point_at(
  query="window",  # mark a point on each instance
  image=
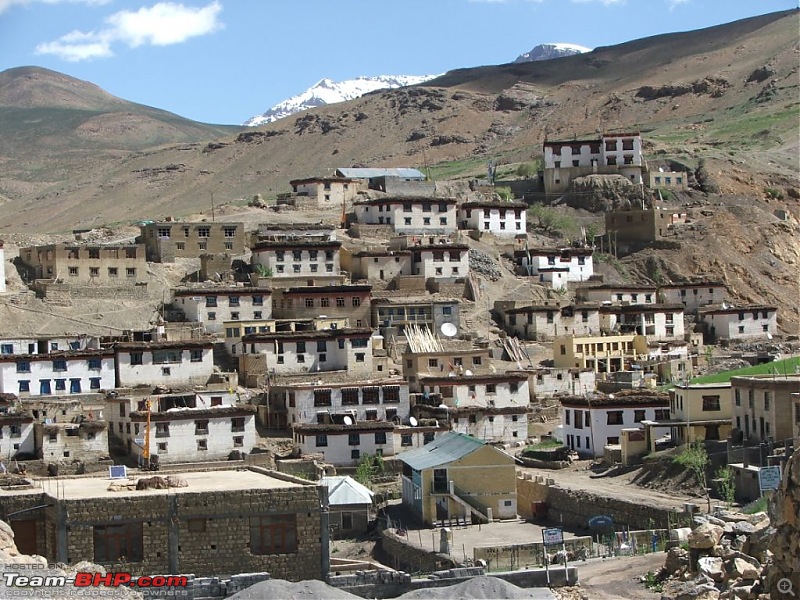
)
(201, 427)
(238, 441)
(113, 543)
(407, 221)
(161, 357)
(322, 397)
(324, 302)
(203, 232)
(94, 271)
(23, 366)
(202, 445)
(614, 417)
(355, 454)
(74, 386)
(234, 301)
(360, 342)
(94, 383)
(237, 424)
(391, 394)
(340, 302)
(61, 385)
(321, 441)
(638, 416)
(406, 440)
(130, 272)
(24, 386)
(229, 232)
(371, 395)
(309, 302)
(163, 232)
(273, 534)
(356, 301)
(427, 437)
(491, 388)
(710, 403)
(353, 439)
(349, 396)
(196, 355)
(380, 438)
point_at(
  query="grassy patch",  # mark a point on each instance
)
(544, 445)
(779, 367)
(759, 505)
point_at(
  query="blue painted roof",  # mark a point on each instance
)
(403, 173)
(447, 448)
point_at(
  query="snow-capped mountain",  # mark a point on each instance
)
(548, 51)
(327, 91)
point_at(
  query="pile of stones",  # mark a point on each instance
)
(483, 264)
(728, 553)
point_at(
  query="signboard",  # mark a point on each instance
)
(552, 536)
(601, 521)
(769, 478)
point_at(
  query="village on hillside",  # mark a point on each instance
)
(313, 383)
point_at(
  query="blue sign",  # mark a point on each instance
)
(769, 478)
(601, 521)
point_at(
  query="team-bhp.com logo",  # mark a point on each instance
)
(26, 582)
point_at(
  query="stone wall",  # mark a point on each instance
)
(576, 507)
(395, 551)
(785, 517)
(63, 294)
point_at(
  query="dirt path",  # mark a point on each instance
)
(614, 579)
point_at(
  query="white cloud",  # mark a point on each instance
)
(674, 3)
(162, 24)
(6, 4)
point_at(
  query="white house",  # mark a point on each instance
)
(442, 262)
(187, 427)
(16, 429)
(613, 153)
(347, 349)
(503, 219)
(178, 363)
(330, 402)
(65, 442)
(592, 422)
(213, 306)
(548, 383)
(544, 322)
(492, 407)
(654, 321)
(298, 258)
(694, 295)
(58, 373)
(556, 266)
(409, 215)
(326, 191)
(47, 345)
(754, 321)
(619, 294)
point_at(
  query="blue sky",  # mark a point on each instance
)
(224, 61)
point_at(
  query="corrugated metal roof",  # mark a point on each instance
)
(343, 489)
(368, 173)
(449, 447)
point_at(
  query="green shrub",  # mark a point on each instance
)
(774, 193)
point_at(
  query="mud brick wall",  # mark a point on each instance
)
(396, 552)
(220, 546)
(11, 504)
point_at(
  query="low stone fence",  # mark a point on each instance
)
(520, 556)
(204, 588)
(395, 551)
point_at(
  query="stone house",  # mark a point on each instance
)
(211, 306)
(376, 264)
(619, 294)
(459, 476)
(167, 240)
(409, 215)
(324, 192)
(297, 260)
(544, 322)
(164, 364)
(87, 265)
(612, 153)
(193, 432)
(492, 407)
(601, 354)
(671, 180)
(392, 314)
(629, 230)
(298, 352)
(752, 321)
(350, 505)
(555, 267)
(333, 301)
(217, 523)
(401, 181)
(452, 357)
(16, 429)
(503, 219)
(236, 330)
(57, 373)
(763, 405)
(86, 440)
(441, 262)
(592, 422)
(654, 321)
(694, 295)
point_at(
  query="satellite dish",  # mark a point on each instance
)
(348, 420)
(451, 374)
(769, 335)
(448, 329)
(412, 421)
(442, 406)
(468, 373)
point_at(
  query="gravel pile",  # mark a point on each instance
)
(279, 589)
(483, 264)
(478, 588)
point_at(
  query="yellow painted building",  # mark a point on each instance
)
(602, 354)
(459, 476)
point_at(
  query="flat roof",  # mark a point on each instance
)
(81, 488)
